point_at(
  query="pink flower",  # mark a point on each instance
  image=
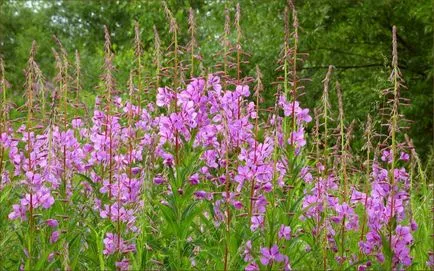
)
(297, 138)
(303, 116)
(54, 237)
(247, 252)
(252, 267)
(404, 156)
(159, 180)
(387, 156)
(19, 211)
(164, 96)
(430, 262)
(256, 222)
(306, 175)
(202, 195)
(52, 223)
(270, 255)
(111, 245)
(243, 90)
(76, 123)
(284, 232)
(122, 265)
(194, 179)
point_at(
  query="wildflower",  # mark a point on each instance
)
(159, 180)
(76, 123)
(270, 255)
(202, 195)
(345, 211)
(194, 179)
(430, 262)
(306, 175)
(123, 265)
(256, 222)
(413, 225)
(111, 245)
(387, 156)
(247, 251)
(297, 138)
(52, 223)
(404, 156)
(19, 211)
(243, 90)
(164, 96)
(54, 237)
(252, 267)
(303, 116)
(287, 265)
(214, 81)
(284, 232)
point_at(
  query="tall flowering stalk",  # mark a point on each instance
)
(138, 53)
(258, 88)
(157, 57)
(4, 177)
(173, 28)
(77, 77)
(389, 239)
(325, 113)
(193, 41)
(294, 56)
(369, 132)
(238, 42)
(324, 168)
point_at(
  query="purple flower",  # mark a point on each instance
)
(243, 90)
(237, 204)
(247, 252)
(413, 225)
(52, 223)
(303, 116)
(270, 255)
(306, 175)
(164, 96)
(122, 265)
(76, 123)
(111, 245)
(387, 156)
(214, 81)
(19, 211)
(168, 159)
(256, 222)
(159, 180)
(404, 156)
(284, 232)
(345, 211)
(54, 237)
(252, 267)
(194, 179)
(202, 195)
(430, 262)
(289, 106)
(403, 234)
(297, 138)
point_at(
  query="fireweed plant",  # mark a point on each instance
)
(183, 169)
